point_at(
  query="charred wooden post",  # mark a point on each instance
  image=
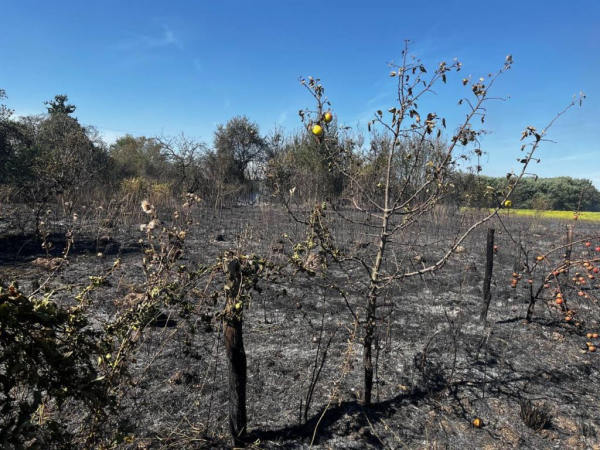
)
(236, 355)
(487, 281)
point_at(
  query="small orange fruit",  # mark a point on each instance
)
(595, 335)
(477, 422)
(559, 301)
(592, 348)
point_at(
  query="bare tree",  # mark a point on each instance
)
(394, 186)
(185, 155)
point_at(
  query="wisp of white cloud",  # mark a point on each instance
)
(282, 117)
(168, 38)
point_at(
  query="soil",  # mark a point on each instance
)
(437, 366)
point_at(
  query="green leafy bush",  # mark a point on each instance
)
(45, 363)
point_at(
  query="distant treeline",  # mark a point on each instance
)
(560, 193)
(52, 157)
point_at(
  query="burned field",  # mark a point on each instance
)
(442, 377)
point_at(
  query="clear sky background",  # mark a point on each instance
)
(151, 67)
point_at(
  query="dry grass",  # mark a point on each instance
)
(561, 215)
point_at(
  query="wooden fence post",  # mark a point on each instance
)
(487, 281)
(236, 354)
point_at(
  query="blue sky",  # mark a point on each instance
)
(151, 67)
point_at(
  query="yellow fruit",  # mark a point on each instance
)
(508, 204)
(477, 422)
(328, 117)
(317, 130)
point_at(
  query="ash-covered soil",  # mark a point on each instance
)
(437, 366)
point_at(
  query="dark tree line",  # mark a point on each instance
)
(559, 193)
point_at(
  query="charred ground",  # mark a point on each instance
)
(437, 367)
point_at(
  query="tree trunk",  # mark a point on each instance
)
(371, 313)
(368, 348)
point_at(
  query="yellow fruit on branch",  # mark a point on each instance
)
(317, 130)
(328, 117)
(508, 204)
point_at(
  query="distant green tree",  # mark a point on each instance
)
(560, 193)
(240, 147)
(573, 194)
(59, 105)
(298, 161)
(65, 153)
(138, 157)
(55, 158)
